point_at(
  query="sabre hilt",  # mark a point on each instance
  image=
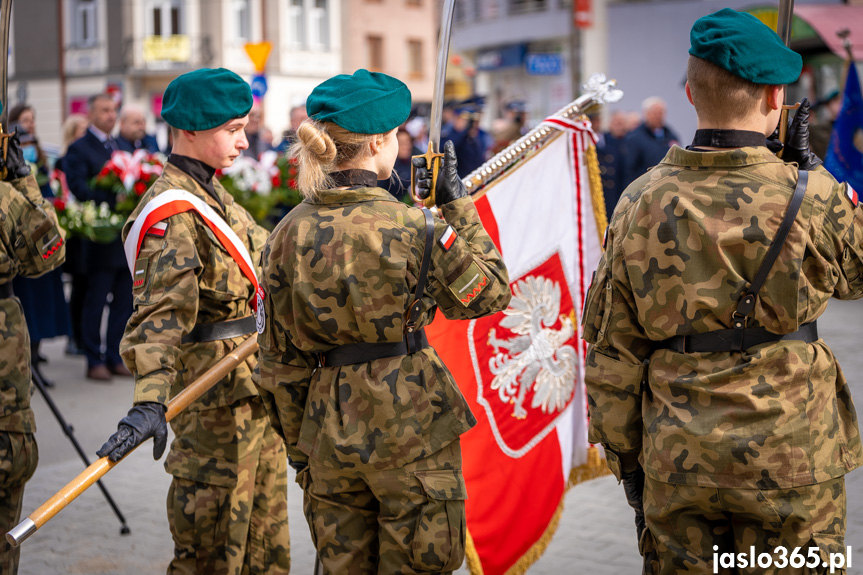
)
(783, 125)
(434, 160)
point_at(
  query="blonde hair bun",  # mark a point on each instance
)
(317, 142)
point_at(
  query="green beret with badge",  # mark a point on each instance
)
(741, 44)
(205, 99)
(364, 103)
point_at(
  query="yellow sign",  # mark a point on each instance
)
(176, 48)
(259, 53)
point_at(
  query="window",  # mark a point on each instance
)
(525, 6)
(296, 24)
(415, 58)
(241, 20)
(166, 17)
(319, 26)
(376, 53)
(84, 22)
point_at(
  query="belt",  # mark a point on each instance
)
(726, 340)
(6, 290)
(366, 352)
(221, 330)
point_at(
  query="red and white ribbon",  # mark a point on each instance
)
(172, 202)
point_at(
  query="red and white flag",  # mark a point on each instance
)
(521, 370)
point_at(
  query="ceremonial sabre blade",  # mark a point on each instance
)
(783, 28)
(433, 156)
(5, 20)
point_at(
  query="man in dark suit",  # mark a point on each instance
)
(133, 132)
(647, 144)
(611, 153)
(105, 264)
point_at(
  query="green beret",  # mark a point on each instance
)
(741, 44)
(365, 103)
(205, 99)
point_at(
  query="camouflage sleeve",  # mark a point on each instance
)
(285, 371)
(841, 241)
(467, 277)
(614, 368)
(35, 237)
(165, 290)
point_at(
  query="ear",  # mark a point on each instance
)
(689, 93)
(189, 134)
(375, 144)
(774, 96)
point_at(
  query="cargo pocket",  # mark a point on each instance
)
(647, 549)
(831, 553)
(439, 536)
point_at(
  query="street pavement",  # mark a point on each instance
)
(596, 534)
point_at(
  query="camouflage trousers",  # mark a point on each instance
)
(691, 526)
(18, 458)
(395, 521)
(227, 505)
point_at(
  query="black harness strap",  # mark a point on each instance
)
(747, 303)
(413, 313)
(740, 337)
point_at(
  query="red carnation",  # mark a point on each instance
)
(59, 204)
(292, 183)
(105, 171)
(140, 188)
(292, 172)
(276, 181)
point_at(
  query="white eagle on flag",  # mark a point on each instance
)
(537, 356)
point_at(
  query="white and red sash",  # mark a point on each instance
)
(172, 202)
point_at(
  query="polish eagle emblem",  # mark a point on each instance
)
(536, 358)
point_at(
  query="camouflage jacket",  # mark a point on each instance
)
(684, 243)
(31, 243)
(189, 279)
(343, 270)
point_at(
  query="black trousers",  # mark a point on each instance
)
(103, 281)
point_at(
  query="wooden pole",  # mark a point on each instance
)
(102, 466)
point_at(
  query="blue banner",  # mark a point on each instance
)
(845, 155)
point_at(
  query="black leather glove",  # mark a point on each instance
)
(143, 421)
(797, 142)
(633, 488)
(15, 163)
(449, 184)
(773, 144)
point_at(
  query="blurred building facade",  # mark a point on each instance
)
(63, 51)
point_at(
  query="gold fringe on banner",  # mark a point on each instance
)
(596, 195)
(594, 468)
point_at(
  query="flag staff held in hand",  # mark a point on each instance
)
(94, 472)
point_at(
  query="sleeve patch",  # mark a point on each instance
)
(158, 229)
(469, 284)
(139, 279)
(51, 246)
(852, 195)
(447, 239)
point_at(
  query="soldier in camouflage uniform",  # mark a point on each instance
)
(227, 505)
(370, 414)
(31, 244)
(737, 413)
